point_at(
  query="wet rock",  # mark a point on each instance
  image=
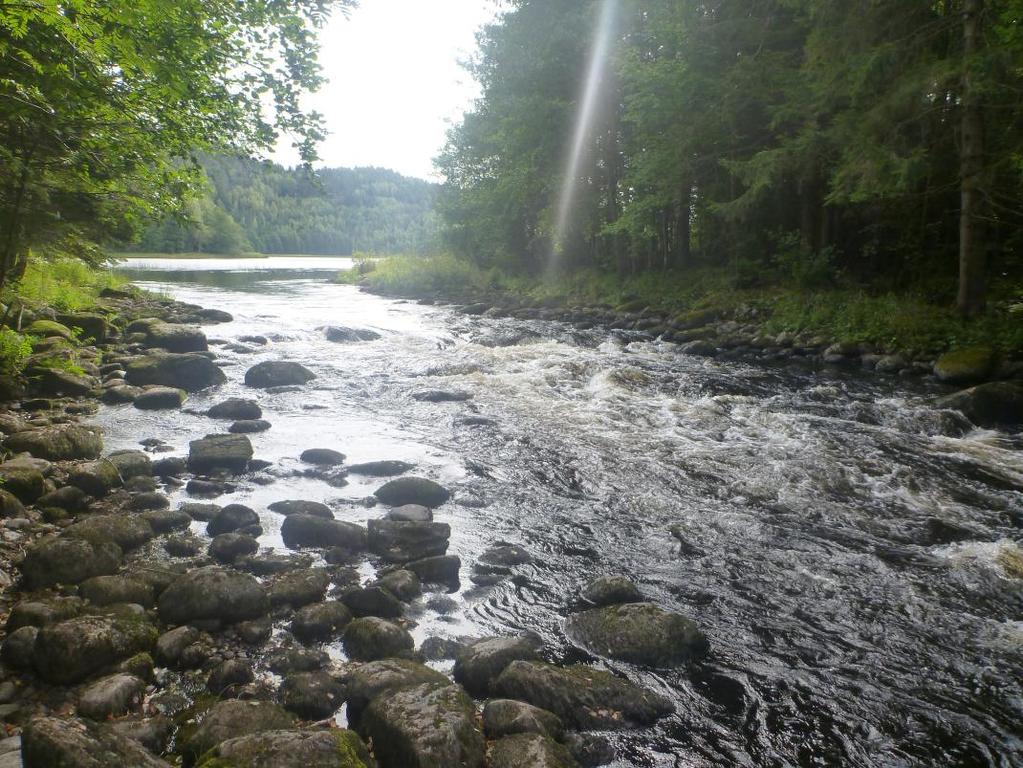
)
(440, 396)
(484, 660)
(277, 373)
(68, 560)
(19, 647)
(172, 466)
(201, 512)
(228, 676)
(97, 478)
(141, 485)
(497, 562)
(380, 468)
(640, 633)
(300, 507)
(532, 749)
(230, 452)
(320, 621)
(249, 427)
(300, 588)
(411, 513)
(412, 490)
(611, 590)
(166, 520)
(403, 584)
(506, 717)
(430, 725)
(48, 742)
(307, 531)
(228, 547)
(590, 749)
(333, 748)
(372, 601)
(120, 394)
(208, 488)
(143, 502)
(131, 463)
(997, 404)
(291, 659)
(23, 478)
(236, 409)
(10, 507)
(64, 443)
(398, 541)
(183, 546)
(442, 569)
(370, 680)
(68, 498)
(270, 564)
(72, 650)
(126, 532)
(966, 365)
(436, 648)
(160, 398)
(190, 372)
(171, 645)
(176, 338)
(209, 315)
(232, 719)
(255, 632)
(583, 697)
(341, 335)
(254, 339)
(108, 590)
(371, 638)
(312, 695)
(213, 593)
(324, 457)
(231, 518)
(153, 733)
(112, 696)
(35, 613)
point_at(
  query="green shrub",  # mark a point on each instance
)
(64, 284)
(15, 349)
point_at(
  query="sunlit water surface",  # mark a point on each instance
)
(854, 562)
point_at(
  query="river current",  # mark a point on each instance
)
(852, 553)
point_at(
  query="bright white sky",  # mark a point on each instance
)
(395, 82)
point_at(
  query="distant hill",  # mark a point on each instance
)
(262, 206)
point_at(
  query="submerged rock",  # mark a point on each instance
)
(640, 633)
(440, 396)
(386, 468)
(277, 373)
(341, 334)
(323, 457)
(412, 490)
(300, 507)
(248, 427)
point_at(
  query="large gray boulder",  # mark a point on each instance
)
(412, 490)
(426, 726)
(236, 408)
(213, 593)
(190, 372)
(583, 697)
(64, 443)
(233, 719)
(639, 633)
(966, 365)
(70, 651)
(992, 405)
(213, 452)
(277, 373)
(68, 560)
(369, 680)
(299, 531)
(482, 662)
(506, 717)
(333, 748)
(372, 638)
(320, 621)
(50, 742)
(112, 696)
(399, 542)
(175, 337)
(126, 531)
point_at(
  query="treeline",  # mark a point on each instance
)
(810, 141)
(261, 206)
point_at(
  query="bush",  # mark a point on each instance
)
(15, 349)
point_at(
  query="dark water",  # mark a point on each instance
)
(854, 561)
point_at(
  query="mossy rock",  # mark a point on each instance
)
(335, 748)
(966, 365)
(640, 633)
(47, 328)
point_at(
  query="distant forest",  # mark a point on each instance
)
(261, 206)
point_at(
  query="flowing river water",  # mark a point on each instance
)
(851, 552)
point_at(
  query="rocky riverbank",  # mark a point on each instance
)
(137, 634)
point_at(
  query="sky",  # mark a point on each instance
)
(395, 82)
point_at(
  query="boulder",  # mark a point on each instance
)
(369, 680)
(323, 457)
(67, 498)
(108, 590)
(611, 590)
(371, 638)
(249, 427)
(427, 726)
(112, 696)
(412, 490)
(235, 409)
(120, 394)
(997, 404)
(228, 676)
(231, 518)
(300, 587)
(639, 633)
(176, 338)
(506, 717)
(484, 660)
(372, 601)
(49, 329)
(126, 531)
(300, 531)
(93, 327)
(532, 749)
(380, 468)
(190, 372)
(342, 335)
(150, 500)
(213, 593)
(442, 569)
(403, 584)
(131, 463)
(23, 478)
(10, 506)
(228, 547)
(230, 452)
(19, 647)
(171, 645)
(300, 507)
(67, 560)
(69, 651)
(399, 542)
(277, 373)
(166, 520)
(50, 742)
(583, 697)
(411, 513)
(63, 443)
(46, 382)
(97, 478)
(198, 511)
(333, 748)
(232, 719)
(966, 365)
(320, 621)
(312, 695)
(160, 398)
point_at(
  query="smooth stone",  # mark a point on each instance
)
(380, 468)
(398, 541)
(323, 457)
(236, 409)
(248, 427)
(611, 590)
(160, 398)
(441, 569)
(372, 601)
(411, 513)
(231, 518)
(412, 490)
(299, 531)
(277, 373)
(372, 638)
(300, 507)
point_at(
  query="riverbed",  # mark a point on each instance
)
(851, 552)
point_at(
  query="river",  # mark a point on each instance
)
(852, 556)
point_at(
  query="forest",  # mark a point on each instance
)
(260, 206)
(811, 143)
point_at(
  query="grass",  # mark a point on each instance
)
(907, 322)
(67, 284)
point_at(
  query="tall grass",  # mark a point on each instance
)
(65, 284)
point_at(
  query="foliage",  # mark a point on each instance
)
(412, 275)
(63, 283)
(261, 206)
(15, 349)
(104, 102)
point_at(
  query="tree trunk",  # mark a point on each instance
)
(972, 253)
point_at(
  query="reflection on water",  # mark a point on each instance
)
(853, 558)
